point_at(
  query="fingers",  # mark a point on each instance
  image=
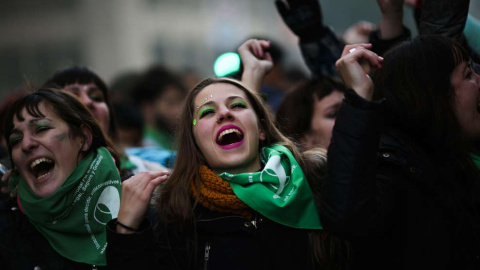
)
(136, 195)
(139, 183)
(268, 57)
(366, 27)
(347, 48)
(254, 46)
(356, 52)
(154, 183)
(351, 71)
(411, 3)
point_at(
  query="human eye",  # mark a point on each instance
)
(74, 90)
(238, 104)
(97, 96)
(332, 114)
(206, 111)
(41, 127)
(14, 140)
(469, 73)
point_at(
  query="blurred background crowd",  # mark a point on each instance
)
(118, 37)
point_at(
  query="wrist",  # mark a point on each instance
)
(391, 27)
(123, 228)
(253, 79)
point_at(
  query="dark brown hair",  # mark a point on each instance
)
(65, 106)
(83, 75)
(174, 202)
(415, 81)
(295, 121)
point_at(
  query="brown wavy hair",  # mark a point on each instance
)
(174, 201)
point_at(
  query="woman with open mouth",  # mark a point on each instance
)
(68, 185)
(237, 198)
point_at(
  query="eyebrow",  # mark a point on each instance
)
(336, 105)
(211, 102)
(30, 123)
(35, 120)
(73, 88)
(77, 88)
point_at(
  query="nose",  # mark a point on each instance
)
(477, 77)
(28, 143)
(224, 114)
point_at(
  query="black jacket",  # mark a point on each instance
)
(22, 247)
(216, 241)
(382, 194)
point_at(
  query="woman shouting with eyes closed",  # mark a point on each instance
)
(68, 185)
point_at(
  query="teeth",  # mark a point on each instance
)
(38, 161)
(42, 176)
(228, 131)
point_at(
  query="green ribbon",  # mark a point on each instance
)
(73, 218)
(280, 191)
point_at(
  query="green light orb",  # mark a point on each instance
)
(226, 64)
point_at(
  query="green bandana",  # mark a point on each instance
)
(73, 218)
(127, 164)
(280, 191)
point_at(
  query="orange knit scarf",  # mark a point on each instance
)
(217, 194)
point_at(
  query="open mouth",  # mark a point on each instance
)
(230, 135)
(41, 167)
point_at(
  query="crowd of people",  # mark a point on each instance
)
(372, 162)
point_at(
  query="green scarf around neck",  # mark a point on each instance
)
(73, 218)
(280, 191)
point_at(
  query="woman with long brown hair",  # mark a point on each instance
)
(238, 195)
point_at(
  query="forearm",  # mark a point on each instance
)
(381, 45)
(320, 54)
(252, 77)
(444, 17)
(349, 194)
(391, 30)
(391, 25)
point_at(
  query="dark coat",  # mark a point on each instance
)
(224, 241)
(384, 194)
(22, 247)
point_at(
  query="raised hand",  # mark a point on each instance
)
(351, 71)
(391, 25)
(303, 17)
(136, 195)
(257, 62)
(411, 3)
(391, 6)
(358, 32)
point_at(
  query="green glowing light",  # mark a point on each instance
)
(226, 64)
